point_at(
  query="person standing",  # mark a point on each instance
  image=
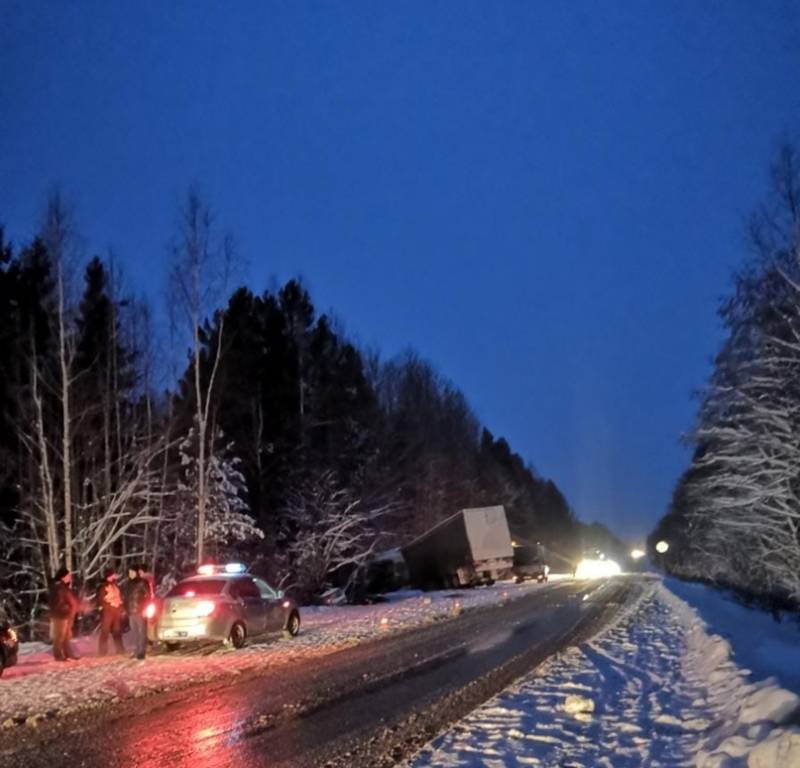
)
(63, 609)
(109, 601)
(137, 595)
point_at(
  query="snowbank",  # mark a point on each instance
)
(762, 645)
(655, 688)
(755, 719)
(39, 687)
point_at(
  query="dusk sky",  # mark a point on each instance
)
(545, 199)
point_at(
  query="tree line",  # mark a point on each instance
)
(734, 519)
(272, 438)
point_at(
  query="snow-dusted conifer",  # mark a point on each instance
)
(228, 521)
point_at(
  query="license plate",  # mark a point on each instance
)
(175, 633)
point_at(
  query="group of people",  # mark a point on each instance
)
(113, 604)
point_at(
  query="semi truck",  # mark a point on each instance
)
(471, 547)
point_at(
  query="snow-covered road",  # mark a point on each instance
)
(654, 689)
(38, 687)
(364, 706)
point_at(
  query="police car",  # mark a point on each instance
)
(224, 603)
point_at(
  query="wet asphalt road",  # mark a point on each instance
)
(371, 705)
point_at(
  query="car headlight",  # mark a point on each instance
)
(589, 568)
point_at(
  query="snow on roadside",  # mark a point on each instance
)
(755, 720)
(764, 646)
(39, 687)
(653, 689)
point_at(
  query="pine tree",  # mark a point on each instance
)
(229, 525)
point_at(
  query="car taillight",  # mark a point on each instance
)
(150, 611)
(205, 607)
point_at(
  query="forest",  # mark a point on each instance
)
(241, 425)
(734, 519)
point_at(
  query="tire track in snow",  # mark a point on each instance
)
(621, 700)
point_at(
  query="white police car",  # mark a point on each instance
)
(224, 603)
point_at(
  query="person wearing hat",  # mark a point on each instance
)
(137, 596)
(63, 609)
(109, 603)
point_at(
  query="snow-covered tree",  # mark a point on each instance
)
(328, 534)
(735, 517)
(229, 526)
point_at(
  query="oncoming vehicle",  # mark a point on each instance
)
(9, 646)
(224, 603)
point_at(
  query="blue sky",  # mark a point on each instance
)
(545, 199)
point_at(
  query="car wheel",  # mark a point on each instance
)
(293, 625)
(238, 635)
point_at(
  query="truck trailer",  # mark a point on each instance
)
(471, 547)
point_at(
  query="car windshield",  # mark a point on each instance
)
(192, 588)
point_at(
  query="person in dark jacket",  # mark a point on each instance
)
(109, 602)
(137, 596)
(63, 609)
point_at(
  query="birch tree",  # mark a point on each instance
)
(58, 237)
(199, 275)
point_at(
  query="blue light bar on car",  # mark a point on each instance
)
(235, 568)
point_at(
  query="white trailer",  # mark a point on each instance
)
(471, 547)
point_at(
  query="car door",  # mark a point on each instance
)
(273, 603)
(254, 608)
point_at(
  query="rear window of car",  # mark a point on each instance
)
(245, 588)
(526, 556)
(192, 588)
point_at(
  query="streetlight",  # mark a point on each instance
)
(662, 547)
(637, 554)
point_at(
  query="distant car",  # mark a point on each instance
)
(224, 604)
(538, 571)
(9, 646)
(529, 563)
